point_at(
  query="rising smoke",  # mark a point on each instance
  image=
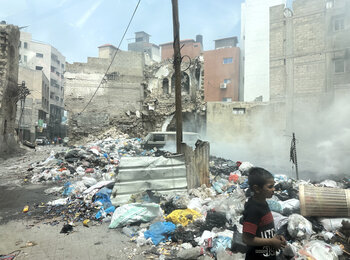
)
(322, 132)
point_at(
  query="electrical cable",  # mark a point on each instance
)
(115, 54)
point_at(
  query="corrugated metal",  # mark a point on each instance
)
(137, 174)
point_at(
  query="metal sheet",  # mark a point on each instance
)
(137, 174)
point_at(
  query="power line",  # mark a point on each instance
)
(115, 54)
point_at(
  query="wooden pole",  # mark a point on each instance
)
(295, 157)
(177, 67)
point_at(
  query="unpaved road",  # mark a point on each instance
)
(36, 240)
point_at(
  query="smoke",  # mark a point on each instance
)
(263, 137)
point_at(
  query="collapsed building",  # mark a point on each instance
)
(9, 89)
(135, 96)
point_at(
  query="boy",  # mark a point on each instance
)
(258, 225)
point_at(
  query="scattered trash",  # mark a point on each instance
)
(134, 212)
(86, 222)
(183, 216)
(29, 244)
(25, 209)
(160, 231)
(190, 253)
(202, 223)
(299, 227)
(11, 255)
(67, 228)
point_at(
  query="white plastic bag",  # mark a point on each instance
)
(332, 224)
(320, 250)
(299, 227)
(134, 212)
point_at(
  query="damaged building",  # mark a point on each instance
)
(136, 96)
(9, 89)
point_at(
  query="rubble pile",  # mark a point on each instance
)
(204, 223)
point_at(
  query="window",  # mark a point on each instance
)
(228, 60)
(20, 44)
(227, 99)
(338, 24)
(57, 73)
(53, 69)
(39, 55)
(329, 4)
(227, 81)
(238, 111)
(57, 98)
(25, 58)
(62, 66)
(25, 45)
(52, 95)
(339, 66)
(195, 45)
(19, 57)
(38, 68)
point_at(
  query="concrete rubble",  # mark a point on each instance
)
(202, 223)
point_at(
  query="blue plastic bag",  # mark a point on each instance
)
(220, 242)
(103, 213)
(103, 196)
(160, 231)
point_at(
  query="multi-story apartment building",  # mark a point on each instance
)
(44, 57)
(221, 71)
(33, 116)
(191, 48)
(254, 44)
(311, 46)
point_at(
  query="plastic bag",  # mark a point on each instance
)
(299, 227)
(159, 231)
(274, 205)
(134, 212)
(220, 243)
(318, 250)
(183, 216)
(245, 167)
(332, 224)
(103, 197)
(195, 204)
(237, 242)
(290, 205)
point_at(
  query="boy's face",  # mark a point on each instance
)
(267, 190)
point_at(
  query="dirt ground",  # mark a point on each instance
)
(33, 239)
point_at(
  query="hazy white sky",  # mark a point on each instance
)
(77, 27)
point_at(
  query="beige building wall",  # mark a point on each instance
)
(36, 104)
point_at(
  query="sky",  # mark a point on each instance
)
(77, 27)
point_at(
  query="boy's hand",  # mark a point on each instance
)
(282, 239)
(278, 242)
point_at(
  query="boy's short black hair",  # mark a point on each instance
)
(258, 176)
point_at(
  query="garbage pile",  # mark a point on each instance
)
(204, 223)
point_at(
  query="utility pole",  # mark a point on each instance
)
(293, 155)
(177, 67)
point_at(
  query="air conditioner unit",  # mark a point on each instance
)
(223, 85)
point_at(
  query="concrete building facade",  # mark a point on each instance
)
(221, 71)
(143, 45)
(309, 65)
(94, 100)
(254, 44)
(41, 56)
(34, 118)
(191, 48)
(9, 91)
